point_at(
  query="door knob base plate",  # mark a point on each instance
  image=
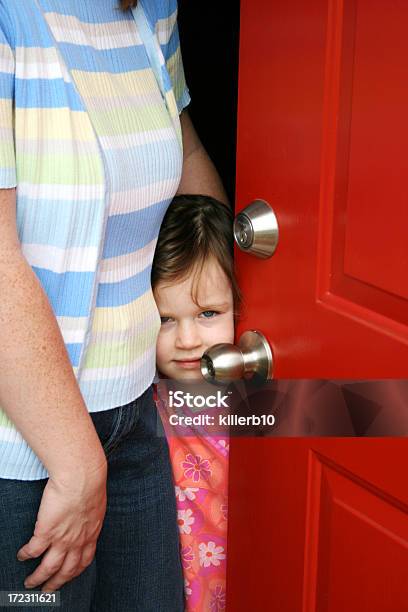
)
(256, 229)
(258, 358)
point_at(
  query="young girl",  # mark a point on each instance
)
(195, 289)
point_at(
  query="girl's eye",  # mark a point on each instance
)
(165, 320)
(208, 314)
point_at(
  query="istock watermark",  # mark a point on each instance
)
(178, 399)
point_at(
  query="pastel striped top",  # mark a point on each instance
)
(90, 136)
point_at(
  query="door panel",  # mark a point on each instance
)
(378, 126)
(322, 143)
(317, 525)
(349, 522)
(363, 200)
(321, 524)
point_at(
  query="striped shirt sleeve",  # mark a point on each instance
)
(168, 36)
(7, 149)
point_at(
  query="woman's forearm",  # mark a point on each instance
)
(199, 173)
(38, 389)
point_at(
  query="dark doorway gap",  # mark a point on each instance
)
(209, 34)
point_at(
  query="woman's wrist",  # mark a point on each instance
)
(84, 460)
(92, 469)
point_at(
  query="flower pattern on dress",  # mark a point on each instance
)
(187, 590)
(217, 599)
(187, 493)
(224, 444)
(200, 468)
(195, 467)
(210, 554)
(187, 556)
(185, 519)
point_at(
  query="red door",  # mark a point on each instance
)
(321, 524)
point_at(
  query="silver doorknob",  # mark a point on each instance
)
(251, 359)
(256, 229)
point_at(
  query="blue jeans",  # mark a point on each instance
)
(137, 563)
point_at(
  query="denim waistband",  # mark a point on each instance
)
(115, 424)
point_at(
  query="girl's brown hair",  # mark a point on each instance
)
(195, 228)
(126, 4)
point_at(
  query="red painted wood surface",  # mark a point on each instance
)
(322, 127)
(318, 525)
(321, 525)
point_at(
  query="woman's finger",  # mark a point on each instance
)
(50, 565)
(70, 568)
(88, 553)
(34, 548)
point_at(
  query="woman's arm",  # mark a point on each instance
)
(199, 174)
(39, 393)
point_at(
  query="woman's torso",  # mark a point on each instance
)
(98, 158)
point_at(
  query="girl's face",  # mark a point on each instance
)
(188, 329)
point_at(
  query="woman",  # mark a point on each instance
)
(90, 157)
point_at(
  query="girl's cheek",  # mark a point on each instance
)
(227, 328)
(229, 332)
(161, 349)
(220, 328)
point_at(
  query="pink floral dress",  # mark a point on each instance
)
(200, 468)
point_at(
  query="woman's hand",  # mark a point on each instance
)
(68, 524)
